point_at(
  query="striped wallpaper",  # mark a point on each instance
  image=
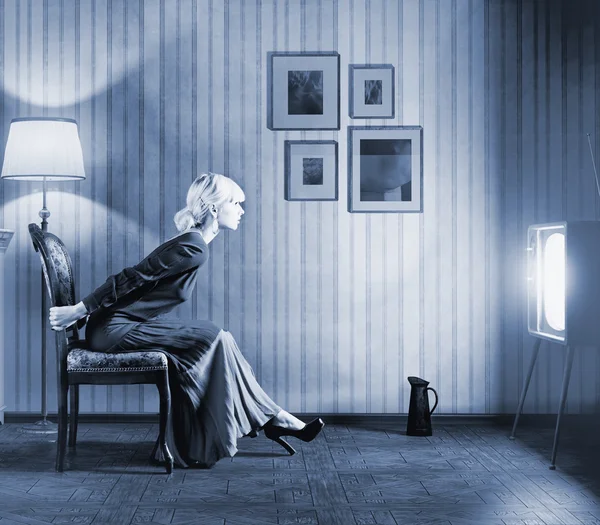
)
(333, 310)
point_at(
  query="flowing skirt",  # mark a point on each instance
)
(215, 398)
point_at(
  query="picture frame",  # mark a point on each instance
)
(372, 91)
(385, 169)
(303, 91)
(311, 170)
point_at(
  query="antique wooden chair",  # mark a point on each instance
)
(77, 365)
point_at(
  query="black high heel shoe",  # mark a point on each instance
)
(308, 433)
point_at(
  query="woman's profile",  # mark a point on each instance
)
(215, 397)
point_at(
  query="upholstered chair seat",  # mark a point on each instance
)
(80, 360)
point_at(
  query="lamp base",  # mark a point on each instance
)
(40, 427)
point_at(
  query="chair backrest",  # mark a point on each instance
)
(58, 274)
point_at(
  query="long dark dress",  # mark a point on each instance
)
(215, 396)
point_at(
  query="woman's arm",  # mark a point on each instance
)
(177, 258)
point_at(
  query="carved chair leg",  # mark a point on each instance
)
(61, 440)
(165, 415)
(73, 416)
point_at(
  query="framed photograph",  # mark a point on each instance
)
(371, 91)
(303, 91)
(311, 170)
(385, 169)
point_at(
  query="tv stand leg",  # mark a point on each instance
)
(563, 400)
(536, 349)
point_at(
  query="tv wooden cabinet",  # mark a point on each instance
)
(5, 237)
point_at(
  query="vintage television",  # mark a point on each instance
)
(563, 297)
(563, 294)
(563, 276)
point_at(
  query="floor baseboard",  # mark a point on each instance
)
(537, 420)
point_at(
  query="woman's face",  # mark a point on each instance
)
(230, 214)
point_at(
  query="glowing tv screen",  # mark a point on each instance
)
(563, 274)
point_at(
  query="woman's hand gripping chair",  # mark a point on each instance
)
(77, 365)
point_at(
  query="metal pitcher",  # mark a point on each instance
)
(419, 415)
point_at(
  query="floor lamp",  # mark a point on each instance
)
(43, 149)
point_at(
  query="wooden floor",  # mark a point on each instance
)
(359, 474)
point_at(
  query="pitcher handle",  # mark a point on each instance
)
(436, 399)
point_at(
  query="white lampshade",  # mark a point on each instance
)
(43, 148)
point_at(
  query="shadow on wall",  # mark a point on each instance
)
(556, 43)
(107, 165)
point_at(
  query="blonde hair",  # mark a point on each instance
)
(207, 190)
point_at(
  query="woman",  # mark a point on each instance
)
(215, 396)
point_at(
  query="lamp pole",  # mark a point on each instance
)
(44, 214)
(43, 426)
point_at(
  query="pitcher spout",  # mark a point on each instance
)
(417, 381)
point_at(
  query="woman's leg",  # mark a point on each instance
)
(216, 398)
